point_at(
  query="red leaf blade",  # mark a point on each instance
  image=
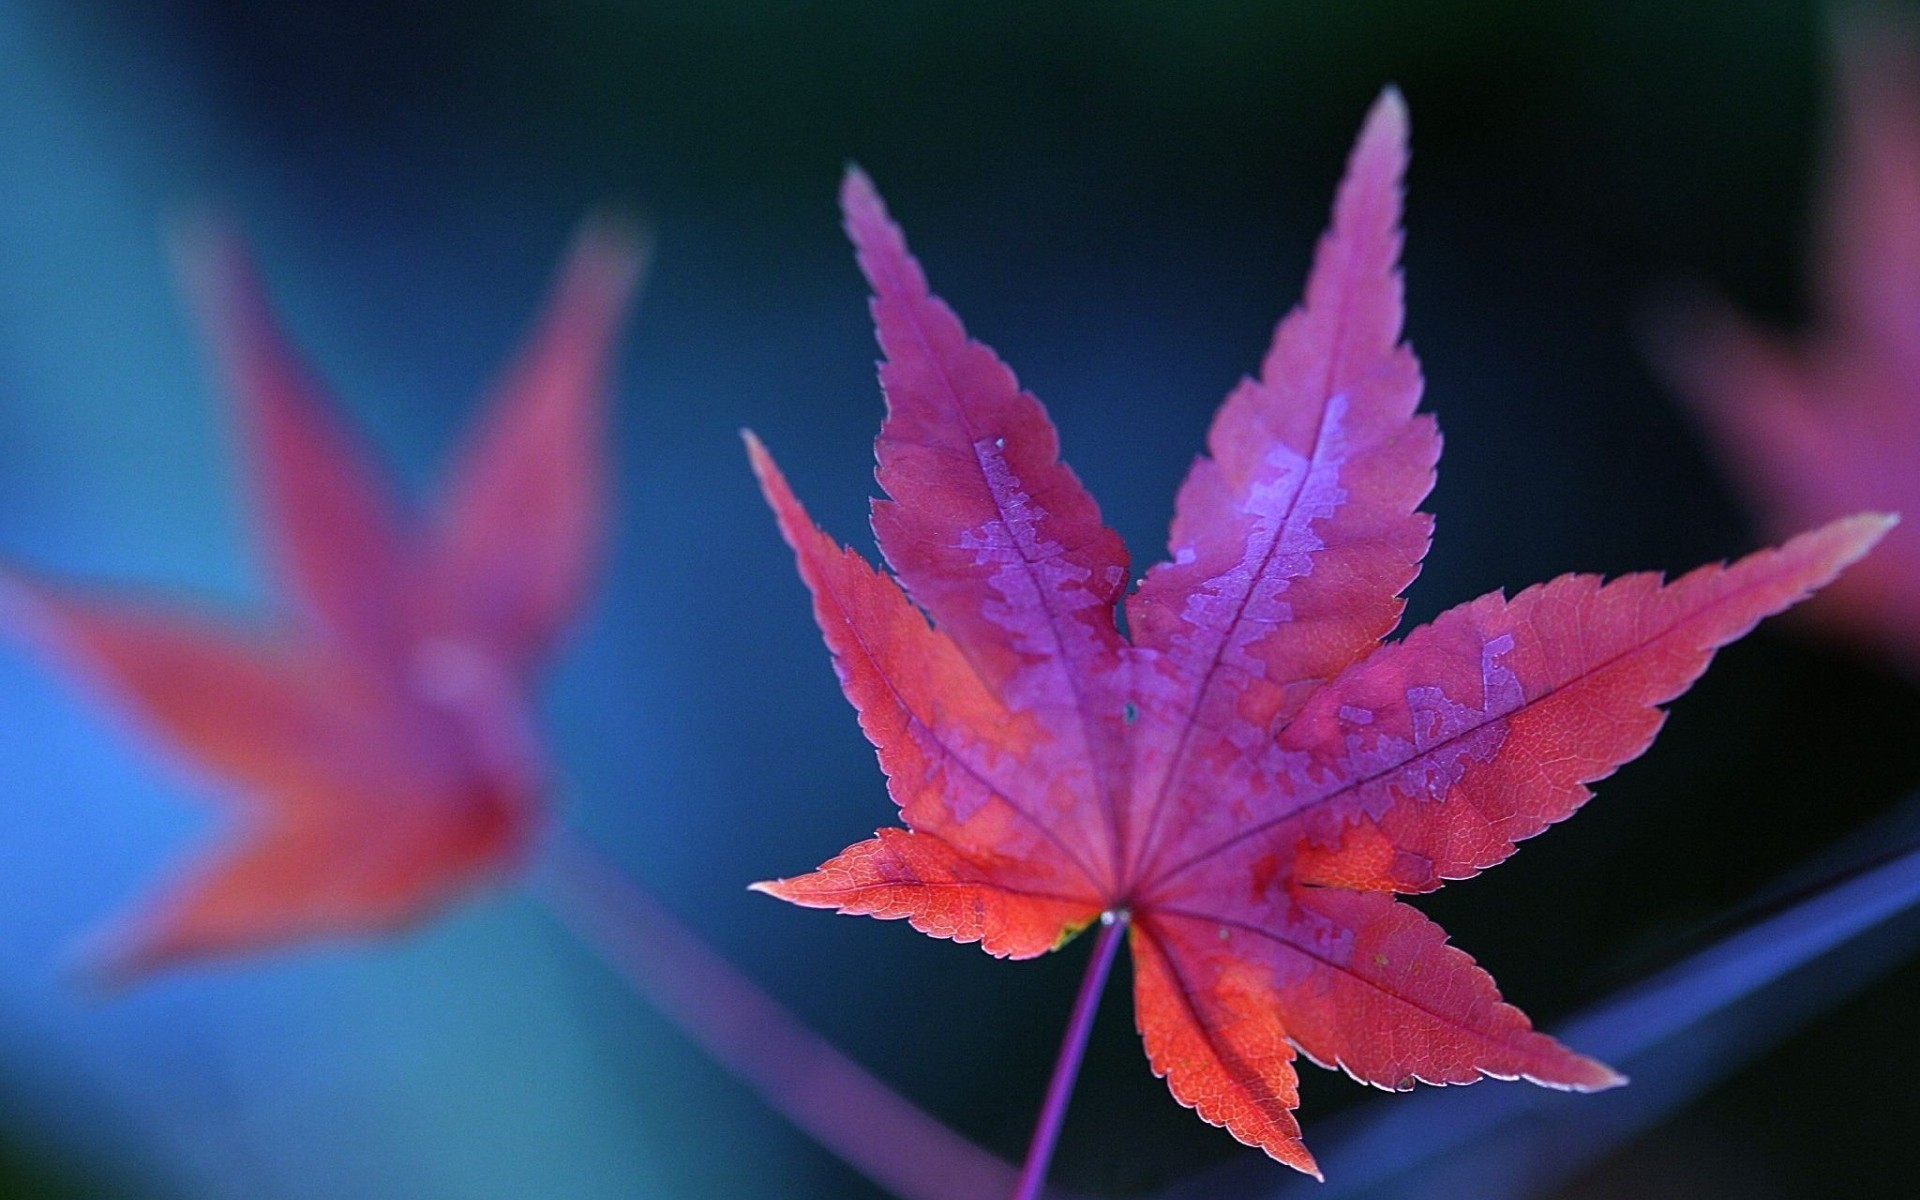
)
(959, 762)
(253, 711)
(1292, 543)
(522, 521)
(1356, 980)
(989, 531)
(291, 883)
(942, 892)
(380, 754)
(1217, 1050)
(315, 754)
(1830, 424)
(1485, 727)
(331, 523)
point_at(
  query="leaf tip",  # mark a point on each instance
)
(756, 449)
(880, 246)
(1594, 1076)
(1850, 538)
(1367, 205)
(858, 196)
(202, 243)
(1383, 136)
(1389, 111)
(609, 255)
(779, 889)
(20, 605)
(1577, 1073)
(863, 212)
(773, 484)
(110, 959)
(1293, 1152)
(215, 271)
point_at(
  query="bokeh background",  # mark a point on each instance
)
(1121, 197)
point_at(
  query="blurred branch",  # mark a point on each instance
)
(828, 1096)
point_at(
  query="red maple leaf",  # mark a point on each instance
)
(1831, 424)
(1246, 775)
(375, 740)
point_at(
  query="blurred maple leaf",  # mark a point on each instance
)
(1246, 777)
(375, 740)
(1830, 423)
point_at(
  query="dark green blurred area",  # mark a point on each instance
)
(23, 1176)
(1644, 112)
(1121, 197)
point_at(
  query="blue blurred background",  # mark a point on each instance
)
(1121, 197)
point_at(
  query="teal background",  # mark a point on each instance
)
(1121, 198)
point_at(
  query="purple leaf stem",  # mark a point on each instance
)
(1073, 1048)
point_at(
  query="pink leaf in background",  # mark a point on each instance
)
(1250, 775)
(374, 742)
(1830, 423)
